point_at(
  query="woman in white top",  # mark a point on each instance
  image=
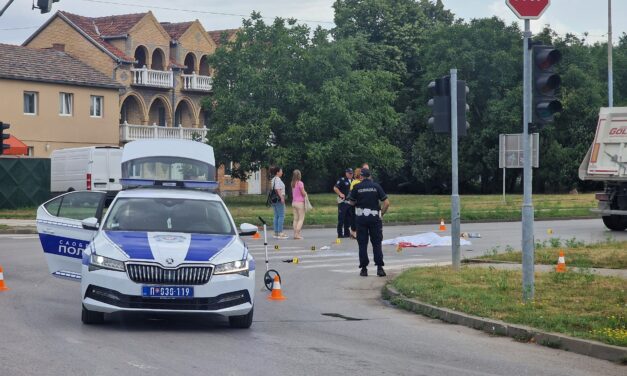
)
(278, 207)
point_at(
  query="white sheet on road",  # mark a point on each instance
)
(428, 239)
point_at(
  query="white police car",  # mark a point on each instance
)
(167, 245)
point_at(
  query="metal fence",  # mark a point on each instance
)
(24, 182)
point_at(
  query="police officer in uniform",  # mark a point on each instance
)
(366, 196)
(342, 189)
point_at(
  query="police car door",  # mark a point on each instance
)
(62, 236)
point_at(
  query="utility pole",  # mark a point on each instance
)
(455, 215)
(5, 7)
(527, 207)
(610, 78)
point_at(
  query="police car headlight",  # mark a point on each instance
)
(100, 262)
(239, 267)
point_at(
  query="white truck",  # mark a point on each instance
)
(606, 161)
(87, 168)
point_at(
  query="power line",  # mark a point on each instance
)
(196, 11)
(19, 28)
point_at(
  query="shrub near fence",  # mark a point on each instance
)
(24, 182)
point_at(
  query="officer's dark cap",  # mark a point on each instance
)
(365, 172)
(349, 170)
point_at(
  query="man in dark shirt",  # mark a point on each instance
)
(342, 189)
(366, 197)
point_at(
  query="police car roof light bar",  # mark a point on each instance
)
(210, 186)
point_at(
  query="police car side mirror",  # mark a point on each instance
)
(246, 229)
(90, 223)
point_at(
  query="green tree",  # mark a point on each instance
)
(286, 96)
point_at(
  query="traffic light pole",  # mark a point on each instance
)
(527, 208)
(455, 216)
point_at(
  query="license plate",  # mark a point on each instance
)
(167, 292)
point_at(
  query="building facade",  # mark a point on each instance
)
(54, 101)
(163, 70)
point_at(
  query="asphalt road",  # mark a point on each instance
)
(41, 332)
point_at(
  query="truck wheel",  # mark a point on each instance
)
(91, 317)
(615, 222)
(243, 321)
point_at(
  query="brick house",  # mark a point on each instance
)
(162, 67)
(55, 101)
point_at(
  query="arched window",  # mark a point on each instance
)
(183, 116)
(204, 66)
(131, 111)
(190, 63)
(159, 113)
(140, 56)
(158, 60)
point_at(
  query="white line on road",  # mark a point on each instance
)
(393, 267)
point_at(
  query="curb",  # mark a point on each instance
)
(19, 230)
(518, 332)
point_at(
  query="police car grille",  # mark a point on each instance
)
(185, 275)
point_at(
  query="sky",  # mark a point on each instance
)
(564, 16)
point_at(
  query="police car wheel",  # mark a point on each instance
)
(91, 317)
(243, 321)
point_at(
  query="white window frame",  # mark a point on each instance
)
(92, 106)
(35, 103)
(63, 101)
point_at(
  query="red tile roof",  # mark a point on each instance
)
(117, 25)
(176, 29)
(89, 26)
(216, 35)
(48, 65)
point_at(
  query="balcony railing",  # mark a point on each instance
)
(149, 77)
(131, 132)
(197, 82)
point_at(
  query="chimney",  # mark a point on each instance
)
(58, 47)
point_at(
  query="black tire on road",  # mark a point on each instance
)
(91, 317)
(615, 222)
(242, 322)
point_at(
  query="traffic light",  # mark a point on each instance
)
(462, 108)
(545, 85)
(440, 104)
(3, 136)
(45, 6)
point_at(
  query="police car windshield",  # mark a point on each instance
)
(169, 215)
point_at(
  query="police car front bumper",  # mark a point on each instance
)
(112, 291)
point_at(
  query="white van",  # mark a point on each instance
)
(88, 168)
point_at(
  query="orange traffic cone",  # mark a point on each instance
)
(442, 225)
(561, 263)
(3, 287)
(257, 236)
(276, 290)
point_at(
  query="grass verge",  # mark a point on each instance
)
(609, 254)
(579, 304)
(22, 213)
(425, 208)
(405, 208)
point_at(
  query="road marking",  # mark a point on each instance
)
(394, 267)
(355, 263)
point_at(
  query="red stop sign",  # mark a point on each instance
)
(528, 9)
